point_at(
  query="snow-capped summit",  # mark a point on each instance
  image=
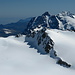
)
(37, 38)
(61, 21)
(45, 20)
(46, 14)
(66, 13)
(66, 21)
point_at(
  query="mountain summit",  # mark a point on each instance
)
(62, 21)
(35, 31)
(46, 14)
(37, 37)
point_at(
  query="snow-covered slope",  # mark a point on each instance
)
(66, 21)
(64, 44)
(17, 58)
(41, 48)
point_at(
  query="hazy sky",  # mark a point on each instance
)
(13, 10)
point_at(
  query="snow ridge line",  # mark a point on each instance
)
(44, 44)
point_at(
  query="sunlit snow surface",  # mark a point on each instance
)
(17, 58)
(64, 44)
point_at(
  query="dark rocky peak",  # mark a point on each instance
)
(40, 40)
(54, 24)
(50, 21)
(46, 14)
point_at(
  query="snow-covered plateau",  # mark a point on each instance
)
(17, 58)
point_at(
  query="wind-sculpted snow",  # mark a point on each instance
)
(17, 58)
(39, 39)
(64, 44)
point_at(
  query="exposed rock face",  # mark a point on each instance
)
(42, 41)
(63, 21)
(39, 39)
(54, 24)
(46, 14)
(45, 20)
(63, 63)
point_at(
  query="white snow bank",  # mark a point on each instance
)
(16, 58)
(64, 44)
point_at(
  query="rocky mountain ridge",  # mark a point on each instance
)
(61, 21)
(39, 39)
(36, 36)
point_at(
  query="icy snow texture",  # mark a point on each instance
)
(64, 44)
(16, 58)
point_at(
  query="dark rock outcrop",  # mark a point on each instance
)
(42, 41)
(63, 63)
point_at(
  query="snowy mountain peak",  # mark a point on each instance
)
(40, 40)
(62, 21)
(37, 37)
(39, 34)
(46, 14)
(66, 13)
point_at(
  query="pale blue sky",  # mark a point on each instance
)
(13, 10)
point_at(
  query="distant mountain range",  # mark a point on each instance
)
(13, 28)
(63, 21)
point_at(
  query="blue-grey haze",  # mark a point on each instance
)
(13, 10)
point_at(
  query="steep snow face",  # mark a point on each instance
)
(66, 21)
(64, 44)
(39, 39)
(61, 26)
(66, 13)
(17, 58)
